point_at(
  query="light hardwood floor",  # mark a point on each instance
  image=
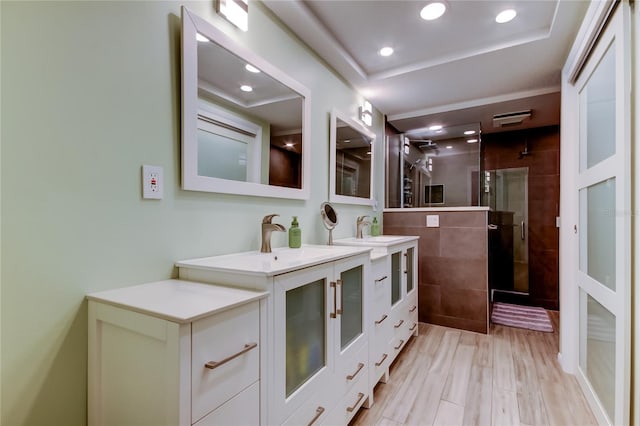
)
(452, 377)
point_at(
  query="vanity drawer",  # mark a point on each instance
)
(225, 357)
(381, 282)
(353, 369)
(315, 410)
(349, 404)
(241, 410)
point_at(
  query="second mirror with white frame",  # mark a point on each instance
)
(351, 161)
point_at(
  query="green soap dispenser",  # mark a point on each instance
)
(375, 227)
(295, 234)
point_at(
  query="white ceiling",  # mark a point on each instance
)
(449, 69)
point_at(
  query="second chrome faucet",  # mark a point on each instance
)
(360, 223)
(267, 229)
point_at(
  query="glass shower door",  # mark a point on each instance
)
(508, 238)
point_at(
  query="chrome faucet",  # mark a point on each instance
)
(360, 223)
(267, 229)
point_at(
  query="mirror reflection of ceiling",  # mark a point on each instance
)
(452, 140)
(351, 140)
(221, 74)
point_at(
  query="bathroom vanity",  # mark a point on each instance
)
(296, 336)
(394, 298)
(175, 353)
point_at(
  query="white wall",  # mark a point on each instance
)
(90, 92)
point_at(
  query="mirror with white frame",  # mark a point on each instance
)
(351, 174)
(245, 123)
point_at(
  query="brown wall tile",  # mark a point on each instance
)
(466, 243)
(452, 264)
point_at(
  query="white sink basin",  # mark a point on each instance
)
(377, 241)
(281, 259)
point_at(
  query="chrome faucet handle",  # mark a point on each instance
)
(361, 219)
(268, 218)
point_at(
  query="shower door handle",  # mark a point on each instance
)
(522, 230)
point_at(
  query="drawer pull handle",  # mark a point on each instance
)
(381, 279)
(414, 327)
(353, 407)
(353, 376)
(384, 356)
(413, 309)
(384, 317)
(319, 412)
(399, 324)
(399, 345)
(339, 311)
(335, 301)
(215, 364)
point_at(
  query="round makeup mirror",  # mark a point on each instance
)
(329, 218)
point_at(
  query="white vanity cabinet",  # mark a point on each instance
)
(393, 305)
(316, 370)
(175, 353)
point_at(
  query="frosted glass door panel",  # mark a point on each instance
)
(395, 278)
(351, 319)
(598, 109)
(410, 282)
(305, 333)
(597, 244)
(598, 338)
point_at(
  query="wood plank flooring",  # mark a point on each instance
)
(453, 377)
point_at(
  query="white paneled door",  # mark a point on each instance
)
(604, 223)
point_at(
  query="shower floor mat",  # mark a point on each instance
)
(529, 317)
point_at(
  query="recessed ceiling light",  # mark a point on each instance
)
(433, 11)
(368, 152)
(200, 37)
(289, 144)
(251, 68)
(449, 147)
(469, 132)
(435, 127)
(386, 51)
(246, 88)
(472, 140)
(505, 16)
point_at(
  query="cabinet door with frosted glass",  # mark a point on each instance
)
(351, 276)
(303, 331)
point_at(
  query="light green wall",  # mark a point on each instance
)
(90, 92)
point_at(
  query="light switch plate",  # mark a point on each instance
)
(152, 182)
(433, 221)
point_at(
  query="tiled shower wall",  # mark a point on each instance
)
(452, 265)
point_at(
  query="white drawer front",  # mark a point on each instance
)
(215, 339)
(313, 411)
(241, 410)
(349, 404)
(353, 369)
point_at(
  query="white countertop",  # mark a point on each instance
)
(280, 261)
(177, 300)
(437, 209)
